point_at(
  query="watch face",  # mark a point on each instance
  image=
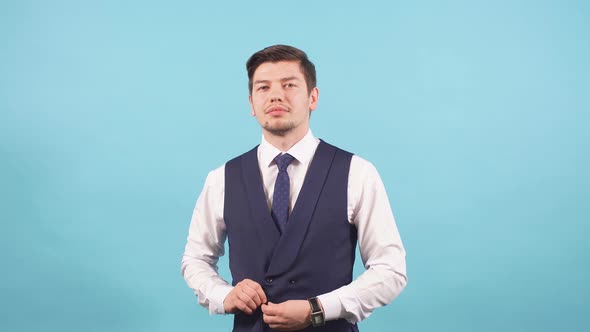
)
(316, 319)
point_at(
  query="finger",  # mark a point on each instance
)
(247, 300)
(238, 301)
(272, 309)
(253, 294)
(257, 288)
(273, 319)
(278, 326)
(248, 286)
(243, 307)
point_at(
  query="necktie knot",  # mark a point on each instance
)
(283, 161)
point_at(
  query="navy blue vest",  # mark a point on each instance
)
(314, 254)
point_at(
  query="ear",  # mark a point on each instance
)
(251, 106)
(313, 98)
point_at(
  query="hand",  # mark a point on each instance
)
(246, 296)
(287, 316)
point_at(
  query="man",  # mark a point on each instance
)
(292, 210)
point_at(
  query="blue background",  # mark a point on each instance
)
(474, 112)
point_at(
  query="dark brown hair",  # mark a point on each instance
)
(278, 53)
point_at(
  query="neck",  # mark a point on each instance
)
(284, 142)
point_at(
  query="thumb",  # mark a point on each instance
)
(269, 308)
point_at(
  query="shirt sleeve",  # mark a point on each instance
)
(205, 244)
(380, 245)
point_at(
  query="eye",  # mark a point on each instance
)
(262, 88)
(290, 85)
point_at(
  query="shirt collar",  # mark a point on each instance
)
(302, 151)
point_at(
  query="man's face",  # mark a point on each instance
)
(280, 100)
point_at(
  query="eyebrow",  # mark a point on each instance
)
(284, 79)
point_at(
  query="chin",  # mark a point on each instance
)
(280, 129)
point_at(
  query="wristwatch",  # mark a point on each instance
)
(317, 313)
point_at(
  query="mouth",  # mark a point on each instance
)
(276, 110)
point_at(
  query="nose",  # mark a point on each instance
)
(276, 95)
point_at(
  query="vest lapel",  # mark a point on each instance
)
(255, 191)
(287, 248)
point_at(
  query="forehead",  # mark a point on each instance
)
(278, 70)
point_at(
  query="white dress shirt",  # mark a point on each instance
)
(381, 248)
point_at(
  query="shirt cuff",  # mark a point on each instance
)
(332, 305)
(218, 295)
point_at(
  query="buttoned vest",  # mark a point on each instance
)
(315, 252)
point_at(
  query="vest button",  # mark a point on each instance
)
(292, 281)
(269, 279)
